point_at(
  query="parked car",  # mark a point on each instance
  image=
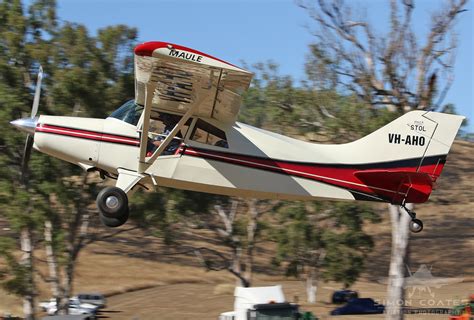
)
(70, 317)
(343, 296)
(93, 298)
(72, 310)
(74, 301)
(45, 305)
(359, 306)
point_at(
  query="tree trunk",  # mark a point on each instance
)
(311, 288)
(27, 262)
(78, 230)
(249, 264)
(237, 268)
(62, 287)
(396, 278)
(53, 268)
(68, 280)
(251, 233)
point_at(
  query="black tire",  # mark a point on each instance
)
(120, 207)
(416, 225)
(114, 222)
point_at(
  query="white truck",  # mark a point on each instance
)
(258, 303)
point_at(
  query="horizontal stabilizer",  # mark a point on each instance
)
(398, 186)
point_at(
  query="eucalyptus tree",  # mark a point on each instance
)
(84, 75)
(400, 70)
(323, 241)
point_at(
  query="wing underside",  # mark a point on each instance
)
(215, 86)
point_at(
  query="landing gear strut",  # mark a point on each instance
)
(416, 225)
(112, 203)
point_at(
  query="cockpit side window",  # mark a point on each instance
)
(160, 126)
(206, 133)
(129, 112)
(161, 123)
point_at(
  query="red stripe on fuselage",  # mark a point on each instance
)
(341, 176)
(84, 134)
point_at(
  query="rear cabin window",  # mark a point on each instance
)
(208, 134)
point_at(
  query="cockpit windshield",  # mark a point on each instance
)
(129, 112)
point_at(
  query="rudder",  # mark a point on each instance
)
(419, 141)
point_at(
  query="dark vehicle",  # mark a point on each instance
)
(92, 298)
(343, 296)
(359, 306)
(280, 311)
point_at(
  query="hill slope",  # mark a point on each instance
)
(135, 260)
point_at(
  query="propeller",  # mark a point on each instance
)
(28, 125)
(34, 109)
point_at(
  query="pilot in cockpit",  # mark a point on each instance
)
(169, 121)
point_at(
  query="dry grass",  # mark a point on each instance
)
(9, 304)
(224, 288)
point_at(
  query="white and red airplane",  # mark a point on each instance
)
(180, 131)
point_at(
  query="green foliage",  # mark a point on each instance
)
(319, 112)
(165, 211)
(326, 236)
(14, 276)
(451, 109)
(84, 75)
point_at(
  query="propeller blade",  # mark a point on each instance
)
(26, 159)
(28, 125)
(34, 109)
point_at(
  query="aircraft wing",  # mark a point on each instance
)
(185, 77)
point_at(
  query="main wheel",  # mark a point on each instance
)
(114, 222)
(416, 225)
(112, 202)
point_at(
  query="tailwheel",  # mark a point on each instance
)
(112, 203)
(416, 225)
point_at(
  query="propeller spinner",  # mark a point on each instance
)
(28, 125)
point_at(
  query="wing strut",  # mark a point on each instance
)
(164, 144)
(144, 164)
(150, 89)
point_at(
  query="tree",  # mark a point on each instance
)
(20, 200)
(169, 212)
(314, 113)
(65, 235)
(239, 228)
(88, 77)
(231, 236)
(256, 209)
(323, 240)
(84, 76)
(395, 70)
